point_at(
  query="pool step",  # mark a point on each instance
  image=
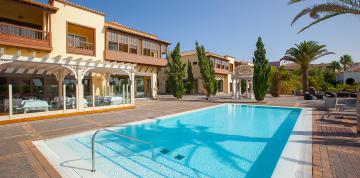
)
(178, 156)
(164, 151)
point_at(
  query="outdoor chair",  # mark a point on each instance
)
(308, 96)
(312, 91)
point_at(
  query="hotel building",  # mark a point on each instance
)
(63, 58)
(223, 66)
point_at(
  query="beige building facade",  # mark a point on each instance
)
(223, 66)
(61, 58)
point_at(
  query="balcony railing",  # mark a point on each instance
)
(80, 47)
(15, 35)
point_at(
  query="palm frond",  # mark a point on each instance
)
(330, 8)
(319, 20)
(302, 13)
(295, 1)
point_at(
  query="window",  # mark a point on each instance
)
(113, 44)
(231, 67)
(163, 51)
(123, 43)
(218, 63)
(195, 63)
(133, 45)
(77, 41)
(150, 49)
(226, 65)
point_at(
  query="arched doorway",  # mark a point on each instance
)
(350, 81)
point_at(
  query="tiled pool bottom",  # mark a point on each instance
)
(223, 141)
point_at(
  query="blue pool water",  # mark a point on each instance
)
(224, 141)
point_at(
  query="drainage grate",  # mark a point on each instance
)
(179, 157)
(164, 151)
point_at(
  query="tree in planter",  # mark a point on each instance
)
(176, 73)
(261, 71)
(190, 81)
(207, 71)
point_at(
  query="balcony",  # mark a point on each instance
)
(80, 47)
(221, 71)
(24, 37)
(134, 58)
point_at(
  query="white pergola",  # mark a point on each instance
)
(242, 72)
(60, 67)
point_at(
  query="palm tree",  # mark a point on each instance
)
(327, 10)
(346, 61)
(303, 54)
(335, 65)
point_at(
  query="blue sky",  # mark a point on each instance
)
(232, 26)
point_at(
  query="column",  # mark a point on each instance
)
(132, 87)
(79, 92)
(234, 88)
(247, 88)
(251, 89)
(107, 84)
(240, 89)
(60, 76)
(153, 85)
(80, 73)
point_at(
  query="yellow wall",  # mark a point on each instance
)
(78, 30)
(99, 82)
(67, 13)
(24, 51)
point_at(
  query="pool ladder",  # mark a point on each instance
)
(117, 134)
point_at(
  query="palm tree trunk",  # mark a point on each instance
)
(305, 80)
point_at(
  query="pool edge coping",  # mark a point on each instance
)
(304, 152)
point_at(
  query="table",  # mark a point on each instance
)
(72, 102)
(34, 105)
(114, 100)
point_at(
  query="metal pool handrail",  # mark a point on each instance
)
(120, 135)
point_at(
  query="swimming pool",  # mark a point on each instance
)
(228, 140)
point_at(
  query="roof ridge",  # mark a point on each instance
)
(81, 7)
(129, 28)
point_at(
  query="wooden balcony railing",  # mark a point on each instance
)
(80, 47)
(26, 37)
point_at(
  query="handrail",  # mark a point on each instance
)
(21, 31)
(80, 44)
(120, 135)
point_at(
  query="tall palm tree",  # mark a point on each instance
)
(303, 54)
(347, 61)
(327, 10)
(335, 65)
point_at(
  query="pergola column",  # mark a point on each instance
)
(132, 87)
(107, 84)
(60, 76)
(80, 72)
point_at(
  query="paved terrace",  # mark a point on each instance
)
(336, 149)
